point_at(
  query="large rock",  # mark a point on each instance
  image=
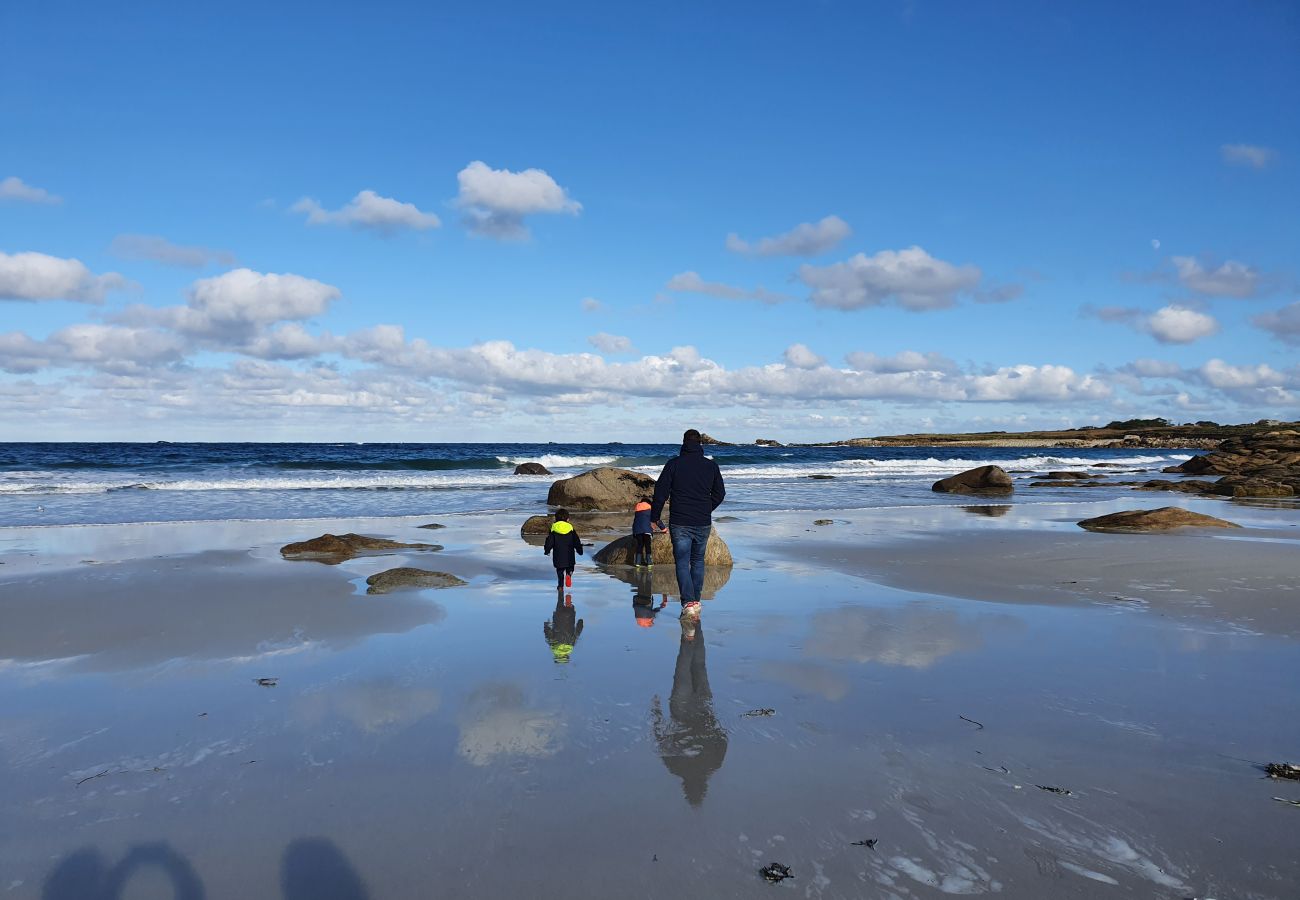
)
(982, 480)
(335, 548)
(605, 488)
(1166, 518)
(531, 468)
(620, 552)
(1191, 486)
(1247, 486)
(404, 577)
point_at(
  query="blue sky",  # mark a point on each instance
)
(945, 216)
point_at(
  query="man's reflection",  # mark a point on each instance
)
(692, 744)
(563, 630)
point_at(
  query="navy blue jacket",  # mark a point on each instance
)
(693, 483)
(565, 542)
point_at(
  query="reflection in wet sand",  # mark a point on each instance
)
(564, 629)
(691, 743)
(382, 704)
(915, 635)
(663, 578)
(210, 606)
(497, 721)
(988, 509)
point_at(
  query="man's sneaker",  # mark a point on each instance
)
(691, 609)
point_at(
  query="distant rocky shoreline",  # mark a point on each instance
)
(1154, 434)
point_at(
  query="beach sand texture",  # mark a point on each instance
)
(931, 672)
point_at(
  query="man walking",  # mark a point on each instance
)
(692, 483)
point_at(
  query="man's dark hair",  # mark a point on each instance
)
(561, 515)
(691, 436)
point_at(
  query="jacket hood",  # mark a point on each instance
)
(692, 447)
(561, 528)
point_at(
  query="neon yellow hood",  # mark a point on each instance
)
(561, 528)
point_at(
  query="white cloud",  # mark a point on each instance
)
(1225, 376)
(1153, 368)
(495, 201)
(159, 249)
(805, 239)
(15, 189)
(1284, 324)
(692, 283)
(1180, 325)
(1039, 383)
(591, 305)
(111, 348)
(1231, 279)
(610, 343)
(911, 277)
(799, 356)
(906, 361)
(288, 341)
(369, 211)
(1249, 155)
(242, 297)
(36, 276)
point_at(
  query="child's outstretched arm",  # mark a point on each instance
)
(577, 543)
(550, 544)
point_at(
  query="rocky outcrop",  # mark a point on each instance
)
(531, 468)
(620, 552)
(1183, 487)
(981, 480)
(712, 441)
(1064, 476)
(767, 442)
(606, 488)
(395, 579)
(1263, 466)
(1166, 518)
(335, 548)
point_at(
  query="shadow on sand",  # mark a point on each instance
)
(311, 869)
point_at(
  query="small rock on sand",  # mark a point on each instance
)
(432, 525)
(1164, 519)
(823, 521)
(404, 577)
(338, 547)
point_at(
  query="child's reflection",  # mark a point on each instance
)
(563, 630)
(691, 744)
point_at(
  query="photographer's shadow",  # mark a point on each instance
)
(311, 869)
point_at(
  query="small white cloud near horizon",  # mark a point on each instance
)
(610, 343)
(494, 202)
(912, 277)
(369, 211)
(805, 239)
(690, 282)
(15, 189)
(154, 248)
(1179, 325)
(1251, 156)
(38, 276)
(801, 357)
(1230, 279)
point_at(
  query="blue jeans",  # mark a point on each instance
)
(688, 554)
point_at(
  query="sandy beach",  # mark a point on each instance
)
(937, 679)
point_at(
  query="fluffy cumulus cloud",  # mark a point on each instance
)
(111, 348)
(1226, 376)
(1180, 325)
(153, 248)
(1231, 279)
(369, 211)
(1251, 156)
(799, 356)
(240, 299)
(610, 343)
(905, 361)
(36, 276)
(13, 189)
(1283, 324)
(495, 202)
(912, 278)
(805, 239)
(692, 283)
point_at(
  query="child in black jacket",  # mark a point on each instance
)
(565, 542)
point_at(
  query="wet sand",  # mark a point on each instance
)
(444, 743)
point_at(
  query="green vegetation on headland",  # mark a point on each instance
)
(1159, 433)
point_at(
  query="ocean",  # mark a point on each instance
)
(100, 483)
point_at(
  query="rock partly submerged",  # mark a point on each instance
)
(980, 480)
(335, 548)
(531, 468)
(1263, 466)
(405, 577)
(1166, 518)
(606, 488)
